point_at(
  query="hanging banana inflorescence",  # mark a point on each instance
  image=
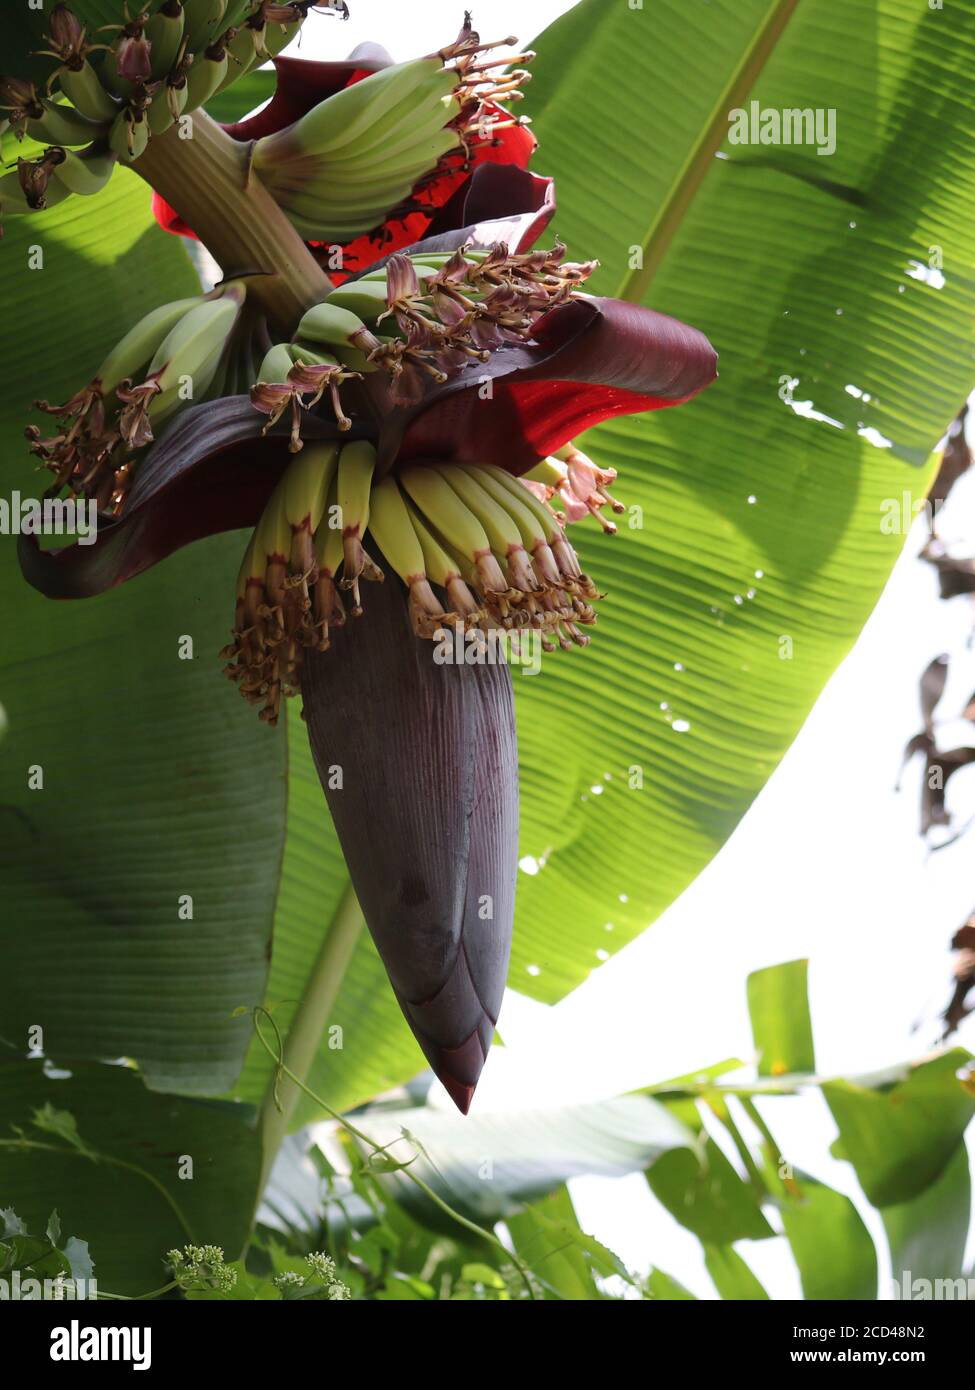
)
(114, 89)
(384, 439)
(475, 548)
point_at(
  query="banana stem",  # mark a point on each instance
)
(307, 1026)
(206, 177)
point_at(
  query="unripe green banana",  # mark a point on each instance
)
(272, 538)
(206, 76)
(220, 383)
(86, 94)
(203, 21)
(168, 105)
(274, 38)
(129, 135)
(365, 173)
(339, 120)
(350, 357)
(165, 33)
(450, 516)
(364, 299)
(15, 199)
(237, 11)
(306, 483)
(544, 515)
(324, 229)
(192, 350)
(277, 363)
(565, 555)
(328, 538)
(357, 463)
(530, 526)
(548, 471)
(130, 357)
(242, 55)
(336, 327)
(426, 265)
(86, 172)
(440, 566)
(499, 525)
(405, 126)
(63, 125)
(392, 529)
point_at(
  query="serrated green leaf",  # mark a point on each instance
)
(62, 1125)
(12, 1224)
(547, 1237)
(77, 1255)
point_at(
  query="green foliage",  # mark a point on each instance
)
(783, 1036)
(927, 1235)
(900, 1136)
(65, 1263)
(702, 1190)
(731, 1276)
(791, 277)
(242, 97)
(136, 1171)
(830, 1244)
(160, 796)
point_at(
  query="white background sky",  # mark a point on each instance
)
(827, 864)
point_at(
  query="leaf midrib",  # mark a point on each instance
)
(672, 210)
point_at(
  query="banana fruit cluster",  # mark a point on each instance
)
(476, 549)
(341, 169)
(171, 359)
(129, 81)
(418, 318)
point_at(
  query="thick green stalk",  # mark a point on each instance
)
(308, 1025)
(206, 176)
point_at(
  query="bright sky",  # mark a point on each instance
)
(827, 864)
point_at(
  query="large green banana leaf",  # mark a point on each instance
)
(131, 1172)
(761, 551)
(139, 879)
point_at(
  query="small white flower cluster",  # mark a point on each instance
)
(201, 1266)
(321, 1271)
